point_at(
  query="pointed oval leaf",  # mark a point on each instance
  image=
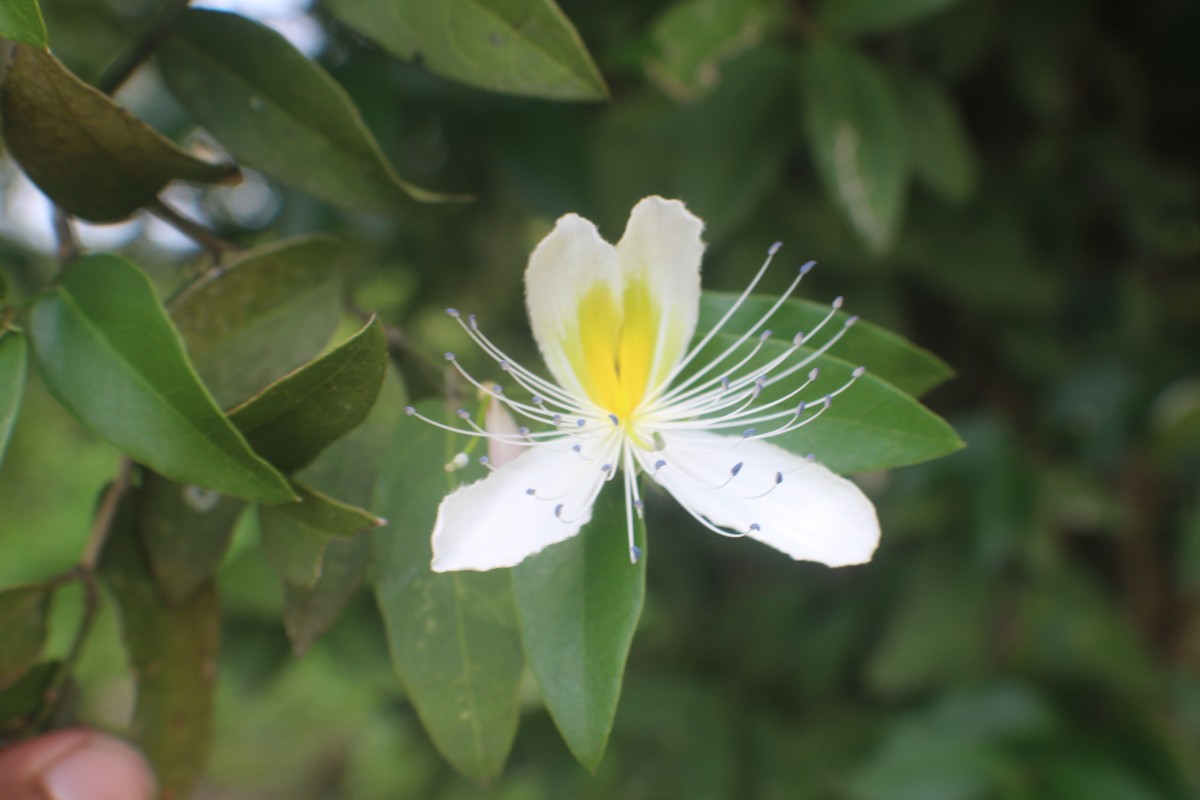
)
(310, 611)
(279, 112)
(23, 611)
(521, 46)
(263, 315)
(858, 17)
(107, 351)
(298, 416)
(186, 531)
(578, 603)
(871, 425)
(909, 368)
(21, 21)
(855, 127)
(938, 146)
(13, 355)
(89, 155)
(173, 656)
(694, 37)
(452, 636)
(347, 470)
(295, 535)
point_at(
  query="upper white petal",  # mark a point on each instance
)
(564, 266)
(495, 523)
(662, 245)
(812, 515)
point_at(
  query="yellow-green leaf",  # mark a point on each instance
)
(279, 112)
(89, 155)
(107, 351)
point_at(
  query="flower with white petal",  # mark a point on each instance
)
(613, 325)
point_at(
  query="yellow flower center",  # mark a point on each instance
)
(612, 349)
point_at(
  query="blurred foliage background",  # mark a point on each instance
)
(1030, 627)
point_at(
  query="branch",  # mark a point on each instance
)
(191, 229)
(64, 231)
(120, 70)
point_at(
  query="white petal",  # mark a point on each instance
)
(812, 515)
(564, 267)
(495, 522)
(662, 246)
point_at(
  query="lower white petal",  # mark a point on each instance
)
(496, 522)
(811, 514)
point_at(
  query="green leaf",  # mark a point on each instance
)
(938, 146)
(452, 636)
(856, 129)
(186, 531)
(857, 17)
(578, 603)
(871, 425)
(295, 535)
(13, 354)
(521, 46)
(173, 658)
(21, 702)
(748, 120)
(279, 112)
(262, 316)
(309, 612)
(909, 368)
(23, 612)
(298, 416)
(89, 155)
(347, 470)
(107, 351)
(694, 37)
(21, 21)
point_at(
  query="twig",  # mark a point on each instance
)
(64, 231)
(191, 229)
(85, 573)
(104, 517)
(119, 71)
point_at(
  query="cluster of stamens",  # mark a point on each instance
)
(726, 395)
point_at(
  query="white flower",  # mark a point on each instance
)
(613, 325)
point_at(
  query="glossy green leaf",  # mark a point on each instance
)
(13, 355)
(857, 17)
(263, 315)
(871, 425)
(856, 130)
(279, 112)
(521, 46)
(452, 636)
(298, 416)
(21, 21)
(310, 611)
(173, 656)
(578, 603)
(938, 146)
(346, 470)
(186, 531)
(21, 702)
(295, 535)
(107, 351)
(909, 368)
(23, 612)
(694, 37)
(89, 155)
